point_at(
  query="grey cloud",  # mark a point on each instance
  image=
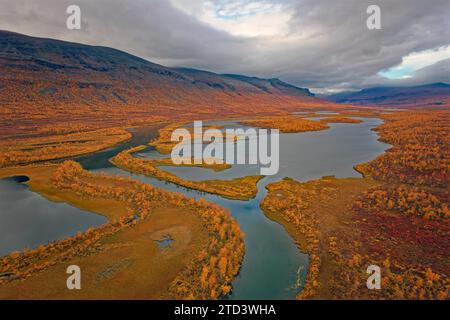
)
(328, 45)
(439, 72)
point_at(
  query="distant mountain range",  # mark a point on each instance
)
(435, 94)
(43, 81)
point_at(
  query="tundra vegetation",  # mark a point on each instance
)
(206, 259)
(243, 188)
(53, 144)
(340, 120)
(164, 144)
(286, 124)
(396, 217)
(56, 106)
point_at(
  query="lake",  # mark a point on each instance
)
(28, 220)
(273, 266)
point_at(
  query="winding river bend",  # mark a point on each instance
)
(273, 267)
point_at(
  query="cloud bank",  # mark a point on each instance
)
(320, 44)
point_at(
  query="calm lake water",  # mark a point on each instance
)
(28, 220)
(273, 267)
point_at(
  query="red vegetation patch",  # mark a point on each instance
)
(408, 239)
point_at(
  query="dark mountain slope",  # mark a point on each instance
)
(43, 81)
(435, 94)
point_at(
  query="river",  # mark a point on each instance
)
(273, 267)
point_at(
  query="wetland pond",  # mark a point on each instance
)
(28, 220)
(273, 266)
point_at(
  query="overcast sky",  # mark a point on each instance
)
(320, 44)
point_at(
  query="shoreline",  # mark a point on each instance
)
(277, 221)
(372, 221)
(120, 214)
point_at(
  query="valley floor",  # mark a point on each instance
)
(395, 217)
(132, 257)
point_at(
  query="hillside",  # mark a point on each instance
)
(44, 82)
(431, 95)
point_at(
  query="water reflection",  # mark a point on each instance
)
(28, 220)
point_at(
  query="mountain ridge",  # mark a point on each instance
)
(433, 94)
(50, 45)
(45, 81)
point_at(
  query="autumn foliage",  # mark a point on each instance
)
(342, 243)
(406, 200)
(396, 218)
(420, 155)
(54, 144)
(340, 119)
(225, 245)
(240, 188)
(287, 124)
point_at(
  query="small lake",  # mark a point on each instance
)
(338, 150)
(28, 220)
